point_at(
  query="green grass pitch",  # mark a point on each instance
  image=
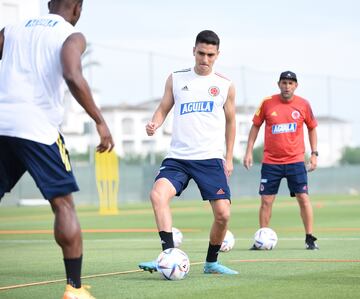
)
(114, 245)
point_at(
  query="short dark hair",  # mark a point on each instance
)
(67, 3)
(207, 37)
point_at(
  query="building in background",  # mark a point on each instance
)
(128, 127)
(334, 135)
(127, 124)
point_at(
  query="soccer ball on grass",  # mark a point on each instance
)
(173, 264)
(177, 237)
(265, 238)
(228, 243)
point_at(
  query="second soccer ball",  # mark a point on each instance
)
(265, 238)
(177, 237)
(228, 243)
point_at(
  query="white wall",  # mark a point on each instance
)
(332, 138)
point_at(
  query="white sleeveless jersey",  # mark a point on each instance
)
(31, 82)
(199, 120)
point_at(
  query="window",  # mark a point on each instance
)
(87, 127)
(145, 120)
(148, 146)
(128, 147)
(128, 126)
(243, 128)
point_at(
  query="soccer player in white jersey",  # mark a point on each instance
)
(38, 55)
(204, 121)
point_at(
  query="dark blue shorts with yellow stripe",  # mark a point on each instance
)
(49, 166)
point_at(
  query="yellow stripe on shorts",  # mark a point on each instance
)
(63, 154)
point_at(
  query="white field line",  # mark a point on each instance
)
(286, 260)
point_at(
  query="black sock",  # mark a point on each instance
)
(212, 253)
(167, 240)
(73, 271)
(310, 237)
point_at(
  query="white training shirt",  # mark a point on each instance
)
(31, 82)
(199, 120)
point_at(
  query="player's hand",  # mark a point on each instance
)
(151, 128)
(106, 140)
(248, 161)
(229, 167)
(312, 163)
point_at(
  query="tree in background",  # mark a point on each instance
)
(351, 155)
(258, 154)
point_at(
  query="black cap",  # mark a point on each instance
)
(288, 75)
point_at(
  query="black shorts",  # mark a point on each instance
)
(49, 166)
(271, 175)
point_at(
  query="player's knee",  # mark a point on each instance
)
(222, 218)
(305, 204)
(265, 206)
(266, 203)
(303, 199)
(62, 204)
(157, 197)
(154, 196)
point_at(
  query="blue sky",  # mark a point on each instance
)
(137, 43)
(317, 37)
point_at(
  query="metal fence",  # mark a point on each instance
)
(136, 182)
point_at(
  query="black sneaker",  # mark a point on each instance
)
(253, 247)
(310, 243)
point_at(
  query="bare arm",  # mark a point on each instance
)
(1, 42)
(230, 128)
(167, 102)
(248, 158)
(313, 146)
(71, 52)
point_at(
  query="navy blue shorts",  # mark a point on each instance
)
(209, 175)
(271, 175)
(49, 166)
